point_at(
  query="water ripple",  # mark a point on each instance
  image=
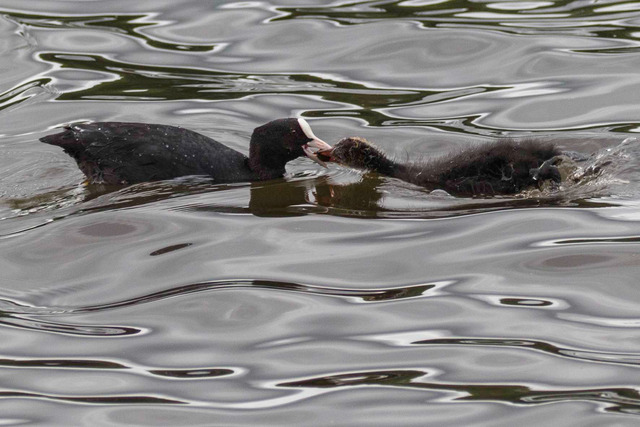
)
(615, 399)
(60, 364)
(629, 359)
(586, 19)
(23, 92)
(123, 81)
(130, 25)
(108, 365)
(349, 295)
(93, 400)
(192, 373)
(182, 302)
(590, 241)
(24, 322)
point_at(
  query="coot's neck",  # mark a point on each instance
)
(374, 160)
(384, 166)
(266, 160)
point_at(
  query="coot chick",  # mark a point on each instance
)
(504, 167)
(126, 153)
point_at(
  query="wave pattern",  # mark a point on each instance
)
(586, 19)
(331, 296)
(624, 400)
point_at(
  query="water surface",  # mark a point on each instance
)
(329, 296)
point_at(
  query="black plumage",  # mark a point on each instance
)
(127, 153)
(503, 167)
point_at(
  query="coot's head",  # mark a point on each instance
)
(280, 141)
(354, 152)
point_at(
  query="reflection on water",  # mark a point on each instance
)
(331, 295)
(608, 19)
(350, 193)
(617, 400)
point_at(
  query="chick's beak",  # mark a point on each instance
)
(318, 144)
(325, 155)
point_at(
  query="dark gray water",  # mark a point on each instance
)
(330, 296)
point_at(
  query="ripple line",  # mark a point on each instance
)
(19, 93)
(590, 241)
(95, 400)
(108, 365)
(14, 307)
(23, 322)
(193, 373)
(127, 24)
(617, 399)
(626, 359)
(61, 363)
(582, 19)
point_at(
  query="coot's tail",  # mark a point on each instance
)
(67, 139)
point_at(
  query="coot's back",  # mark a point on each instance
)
(127, 153)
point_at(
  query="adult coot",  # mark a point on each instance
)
(126, 153)
(504, 167)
